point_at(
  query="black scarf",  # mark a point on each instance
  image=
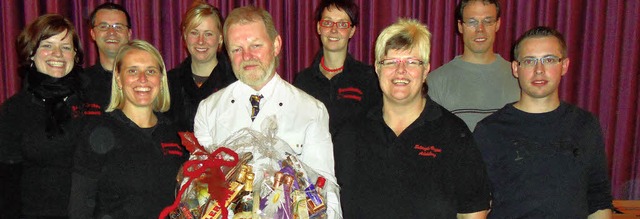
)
(54, 93)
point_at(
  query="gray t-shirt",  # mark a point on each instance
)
(473, 91)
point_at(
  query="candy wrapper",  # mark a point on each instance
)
(267, 181)
(203, 179)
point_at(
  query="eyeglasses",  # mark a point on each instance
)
(117, 27)
(487, 22)
(339, 24)
(395, 63)
(546, 61)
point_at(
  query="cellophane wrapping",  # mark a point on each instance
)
(282, 185)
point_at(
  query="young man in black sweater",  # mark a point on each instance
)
(545, 158)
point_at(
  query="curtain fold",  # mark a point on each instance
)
(603, 37)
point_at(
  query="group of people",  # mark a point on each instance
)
(479, 137)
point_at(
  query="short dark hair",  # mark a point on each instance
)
(43, 28)
(108, 6)
(540, 31)
(464, 4)
(348, 6)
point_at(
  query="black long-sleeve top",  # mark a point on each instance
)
(544, 165)
(37, 129)
(124, 171)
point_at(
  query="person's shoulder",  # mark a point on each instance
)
(303, 77)
(17, 105)
(94, 68)
(506, 110)
(20, 96)
(356, 127)
(579, 116)
(501, 61)
(301, 97)
(357, 65)
(214, 98)
(448, 120)
(571, 108)
(178, 70)
(498, 116)
(363, 72)
(444, 70)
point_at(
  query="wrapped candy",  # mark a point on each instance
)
(205, 170)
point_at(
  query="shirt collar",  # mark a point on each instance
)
(432, 111)
(267, 91)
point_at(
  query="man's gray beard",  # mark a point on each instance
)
(264, 78)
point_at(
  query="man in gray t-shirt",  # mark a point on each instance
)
(478, 82)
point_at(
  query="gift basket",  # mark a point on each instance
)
(255, 175)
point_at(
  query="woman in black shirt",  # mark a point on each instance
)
(127, 160)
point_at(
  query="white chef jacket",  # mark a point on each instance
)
(302, 122)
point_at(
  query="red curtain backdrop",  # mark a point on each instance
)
(603, 38)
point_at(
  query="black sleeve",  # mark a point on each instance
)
(11, 121)
(484, 142)
(10, 158)
(10, 190)
(83, 196)
(94, 141)
(472, 184)
(599, 191)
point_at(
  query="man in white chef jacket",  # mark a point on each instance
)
(253, 45)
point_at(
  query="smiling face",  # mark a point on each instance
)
(204, 40)
(540, 81)
(334, 38)
(402, 83)
(139, 76)
(479, 40)
(55, 55)
(110, 40)
(252, 53)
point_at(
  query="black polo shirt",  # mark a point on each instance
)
(98, 89)
(347, 95)
(432, 170)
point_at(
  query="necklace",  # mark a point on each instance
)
(328, 69)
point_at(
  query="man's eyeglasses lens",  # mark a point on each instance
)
(116, 27)
(475, 23)
(546, 61)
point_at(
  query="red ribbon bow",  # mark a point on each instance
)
(214, 177)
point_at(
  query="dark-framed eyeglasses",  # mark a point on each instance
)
(339, 24)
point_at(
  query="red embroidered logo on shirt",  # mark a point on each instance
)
(429, 151)
(93, 109)
(350, 93)
(171, 149)
(88, 109)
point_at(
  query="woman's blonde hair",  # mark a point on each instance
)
(162, 101)
(404, 34)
